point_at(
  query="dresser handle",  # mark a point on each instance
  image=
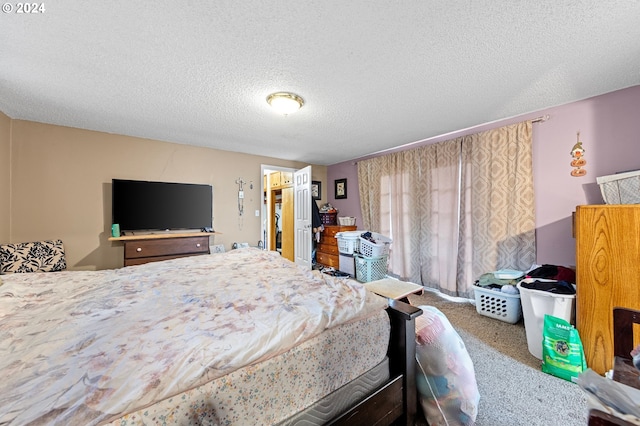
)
(198, 245)
(139, 249)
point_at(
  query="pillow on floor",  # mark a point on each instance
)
(445, 376)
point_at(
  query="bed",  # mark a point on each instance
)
(243, 337)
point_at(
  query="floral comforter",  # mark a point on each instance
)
(83, 347)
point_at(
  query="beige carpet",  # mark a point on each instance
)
(513, 389)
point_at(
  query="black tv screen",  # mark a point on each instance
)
(143, 205)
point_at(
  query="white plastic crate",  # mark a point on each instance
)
(495, 304)
(621, 188)
(348, 241)
(379, 248)
(370, 268)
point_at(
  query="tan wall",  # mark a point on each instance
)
(5, 174)
(61, 186)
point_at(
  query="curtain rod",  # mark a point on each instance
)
(540, 119)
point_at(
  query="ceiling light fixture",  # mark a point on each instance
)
(285, 102)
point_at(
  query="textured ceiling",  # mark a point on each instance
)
(374, 74)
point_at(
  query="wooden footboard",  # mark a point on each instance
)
(396, 401)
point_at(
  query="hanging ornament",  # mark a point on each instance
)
(578, 161)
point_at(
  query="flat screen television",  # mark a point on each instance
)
(148, 206)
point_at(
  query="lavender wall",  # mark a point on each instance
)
(609, 127)
(351, 205)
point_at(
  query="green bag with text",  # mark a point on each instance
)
(562, 351)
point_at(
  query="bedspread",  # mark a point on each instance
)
(81, 347)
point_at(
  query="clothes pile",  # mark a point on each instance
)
(503, 280)
(551, 278)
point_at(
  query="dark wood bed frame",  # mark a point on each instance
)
(396, 401)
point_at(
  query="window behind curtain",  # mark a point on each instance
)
(454, 209)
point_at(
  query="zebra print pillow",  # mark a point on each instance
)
(38, 256)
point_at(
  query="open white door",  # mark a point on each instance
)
(303, 242)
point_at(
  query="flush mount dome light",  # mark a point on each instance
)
(285, 102)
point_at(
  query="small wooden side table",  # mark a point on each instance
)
(394, 289)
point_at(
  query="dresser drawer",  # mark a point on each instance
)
(328, 241)
(330, 232)
(327, 252)
(166, 247)
(328, 249)
(328, 259)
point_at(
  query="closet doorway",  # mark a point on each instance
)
(284, 212)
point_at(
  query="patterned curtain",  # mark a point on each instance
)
(369, 187)
(503, 199)
(455, 209)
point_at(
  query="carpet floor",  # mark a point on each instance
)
(513, 389)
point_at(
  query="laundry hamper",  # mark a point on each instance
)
(538, 303)
(621, 188)
(370, 268)
(329, 218)
(346, 220)
(496, 304)
(378, 247)
(348, 241)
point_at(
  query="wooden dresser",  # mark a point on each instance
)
(139, 249)
(607, 273)
(327, 253)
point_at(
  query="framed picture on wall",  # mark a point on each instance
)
(341, 188)
(316, 189)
